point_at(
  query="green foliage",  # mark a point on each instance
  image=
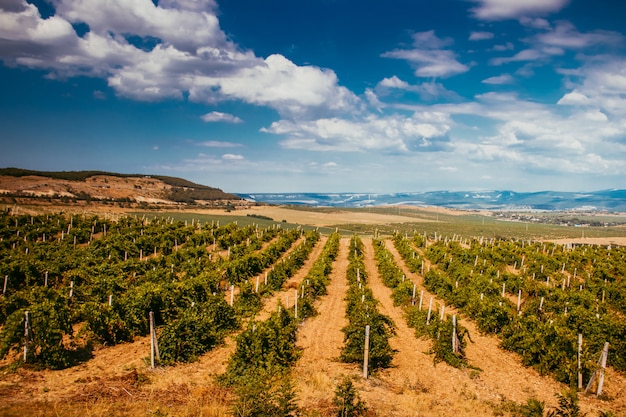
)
(261, 396)
(103, 323)
(197, 330)
(50, 319)
(440, 330)
(347, 400)
(145, 265)
(568, 405)
(532, 408)
(265, 348)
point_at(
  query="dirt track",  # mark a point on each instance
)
(318, 371)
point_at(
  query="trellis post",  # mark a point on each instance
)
(28, 335)
(366, 351)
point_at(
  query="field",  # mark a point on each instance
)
(223, 285)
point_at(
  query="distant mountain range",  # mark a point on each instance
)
(605, 200)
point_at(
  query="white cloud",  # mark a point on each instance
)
(514, 9)
(500, 79)
(373, 100)
(190, 55)
(186, 28)
(424, 131)
(535, 23)
(565, 35)
(557, 40)
(279, 83)
(429, 57)
(505, 47)
(481, 36)
(586, 136)
(393, 82)
(602, 86)
(216, 116)
(574, 98)
(427, 90)
(232, 157)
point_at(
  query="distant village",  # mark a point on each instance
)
(567, 218)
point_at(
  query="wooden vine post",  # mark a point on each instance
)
(366, 352)
(430, 310)
(28, 335)
(154, 343)
(599, 373)
(580, 371)
(455, 339)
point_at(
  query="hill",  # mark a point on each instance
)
(21, 185)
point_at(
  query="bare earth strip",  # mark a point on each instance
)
(318, 371)
(503, 376)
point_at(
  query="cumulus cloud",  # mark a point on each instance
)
(424, 131)
(279, 83)
(574, 98)
(216, 116)
(429, 56)
(232, 157)
(538, 135)
(515, 9)
(602, 86)
(171, 50)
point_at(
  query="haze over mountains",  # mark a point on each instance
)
(105, 186)
(609, 200)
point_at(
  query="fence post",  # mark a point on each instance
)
(580, 373)
(603, 358)
(430, 310)
(366, 352)
(455, 347)
(27, 335)
(154, 343)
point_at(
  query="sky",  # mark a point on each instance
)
(327, 96)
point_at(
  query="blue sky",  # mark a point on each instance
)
(320, 95)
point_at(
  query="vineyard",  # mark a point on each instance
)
(149, 315)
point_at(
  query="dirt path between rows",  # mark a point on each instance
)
(502, 376)
(318, 371)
